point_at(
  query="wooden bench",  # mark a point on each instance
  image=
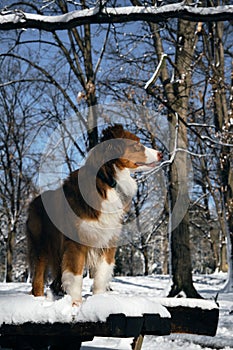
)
(69, 336)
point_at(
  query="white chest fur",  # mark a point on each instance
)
(126, 183)
(105, 231)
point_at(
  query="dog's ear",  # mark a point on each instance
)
(113, 132)
(113, 149)
(105, 152)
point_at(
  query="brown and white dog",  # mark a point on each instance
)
(79, 224)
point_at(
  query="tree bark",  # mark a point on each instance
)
(146, 261)
(9, 256)
(180, 246)
(229, 194)
(224, 125)
(181, 262)
(177, 95)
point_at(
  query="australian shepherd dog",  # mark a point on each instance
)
(79, 224)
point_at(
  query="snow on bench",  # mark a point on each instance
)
(26, 319)
(18, 309)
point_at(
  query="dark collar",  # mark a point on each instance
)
(108, 180)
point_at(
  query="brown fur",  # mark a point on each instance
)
(48, 248)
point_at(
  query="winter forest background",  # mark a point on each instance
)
(49, 76)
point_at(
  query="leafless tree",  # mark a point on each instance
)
(19, 126)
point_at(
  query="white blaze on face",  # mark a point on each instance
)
(152, 158)
(152, 155)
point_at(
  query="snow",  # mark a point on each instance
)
(98, 307)
(8, 18)
(20, 308)
(131, 295)
(191, 303)
(25, 308)
(61, 18)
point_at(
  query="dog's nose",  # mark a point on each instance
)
(160, 155)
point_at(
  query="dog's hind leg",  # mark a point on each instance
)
(39, 276)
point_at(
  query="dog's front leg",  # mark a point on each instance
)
(73, 262)
(104, 271)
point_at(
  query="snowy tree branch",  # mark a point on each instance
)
(155, 76)
(19, 19)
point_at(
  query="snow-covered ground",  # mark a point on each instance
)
(126, 290)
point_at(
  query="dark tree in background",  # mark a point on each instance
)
(177, 94)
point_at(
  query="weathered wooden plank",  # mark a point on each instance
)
(193, 320)
(41, 342)
(68, 336)
(156, 325)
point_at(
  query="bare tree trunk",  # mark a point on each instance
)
(9, 256)
(181, 273)
(164, 249)
(223, 124)
(180, 245)
(132, 253)
(229, 196)
(146, 261)
(177, 96)
(181, 267)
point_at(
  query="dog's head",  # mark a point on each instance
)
(122, 150)
(127, 151)
(118, 150)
